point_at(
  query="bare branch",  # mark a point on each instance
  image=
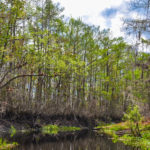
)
(27, 75)
(9, 71)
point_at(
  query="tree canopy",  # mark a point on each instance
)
(49, 65)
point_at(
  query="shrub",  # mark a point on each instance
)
(133, 117)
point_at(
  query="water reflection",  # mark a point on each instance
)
(67, 141)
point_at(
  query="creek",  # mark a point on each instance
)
(78, 140)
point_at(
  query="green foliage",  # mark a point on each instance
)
(54, 129)
(118, 127)
(114, 131)
(68, 128)
(12, 131)
(4, 145)
(114, 127)
(50, 129)
(66, 63)
(145, 134)
(142, 143)
(133, 116)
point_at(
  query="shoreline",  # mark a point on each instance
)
(27, 121)
(120, 132)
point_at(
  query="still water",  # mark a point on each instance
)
(66, 141)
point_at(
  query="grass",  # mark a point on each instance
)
(4, 145)
(48, 129)
(66, 129)
(54, 129)
(121, 132)
(117, 127)
(12, 131)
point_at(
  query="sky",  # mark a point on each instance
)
(103, 13)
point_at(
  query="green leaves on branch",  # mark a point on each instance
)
(133, 117)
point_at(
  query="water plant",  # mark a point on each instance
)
(12, 131)
(54, 129)
(50, 129)
(4, 145)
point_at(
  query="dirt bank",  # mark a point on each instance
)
(27, 121)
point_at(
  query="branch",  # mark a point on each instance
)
(16, 67)
(27, 75)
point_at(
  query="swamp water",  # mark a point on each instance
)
(79, 140)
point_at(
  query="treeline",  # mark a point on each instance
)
(52, 65)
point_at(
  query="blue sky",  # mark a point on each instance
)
(104, 13)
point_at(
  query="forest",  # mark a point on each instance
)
(60, 75)
(51, 65)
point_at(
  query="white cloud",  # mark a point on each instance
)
(117, 25)
(86, 7)
(90, 10)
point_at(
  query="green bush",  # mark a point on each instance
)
(134, 118)
(54, 129)
(5, 145)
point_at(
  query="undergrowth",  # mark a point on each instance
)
(54, 129)
(4, 145)
(121, 132)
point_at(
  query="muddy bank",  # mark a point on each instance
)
(25, 120)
